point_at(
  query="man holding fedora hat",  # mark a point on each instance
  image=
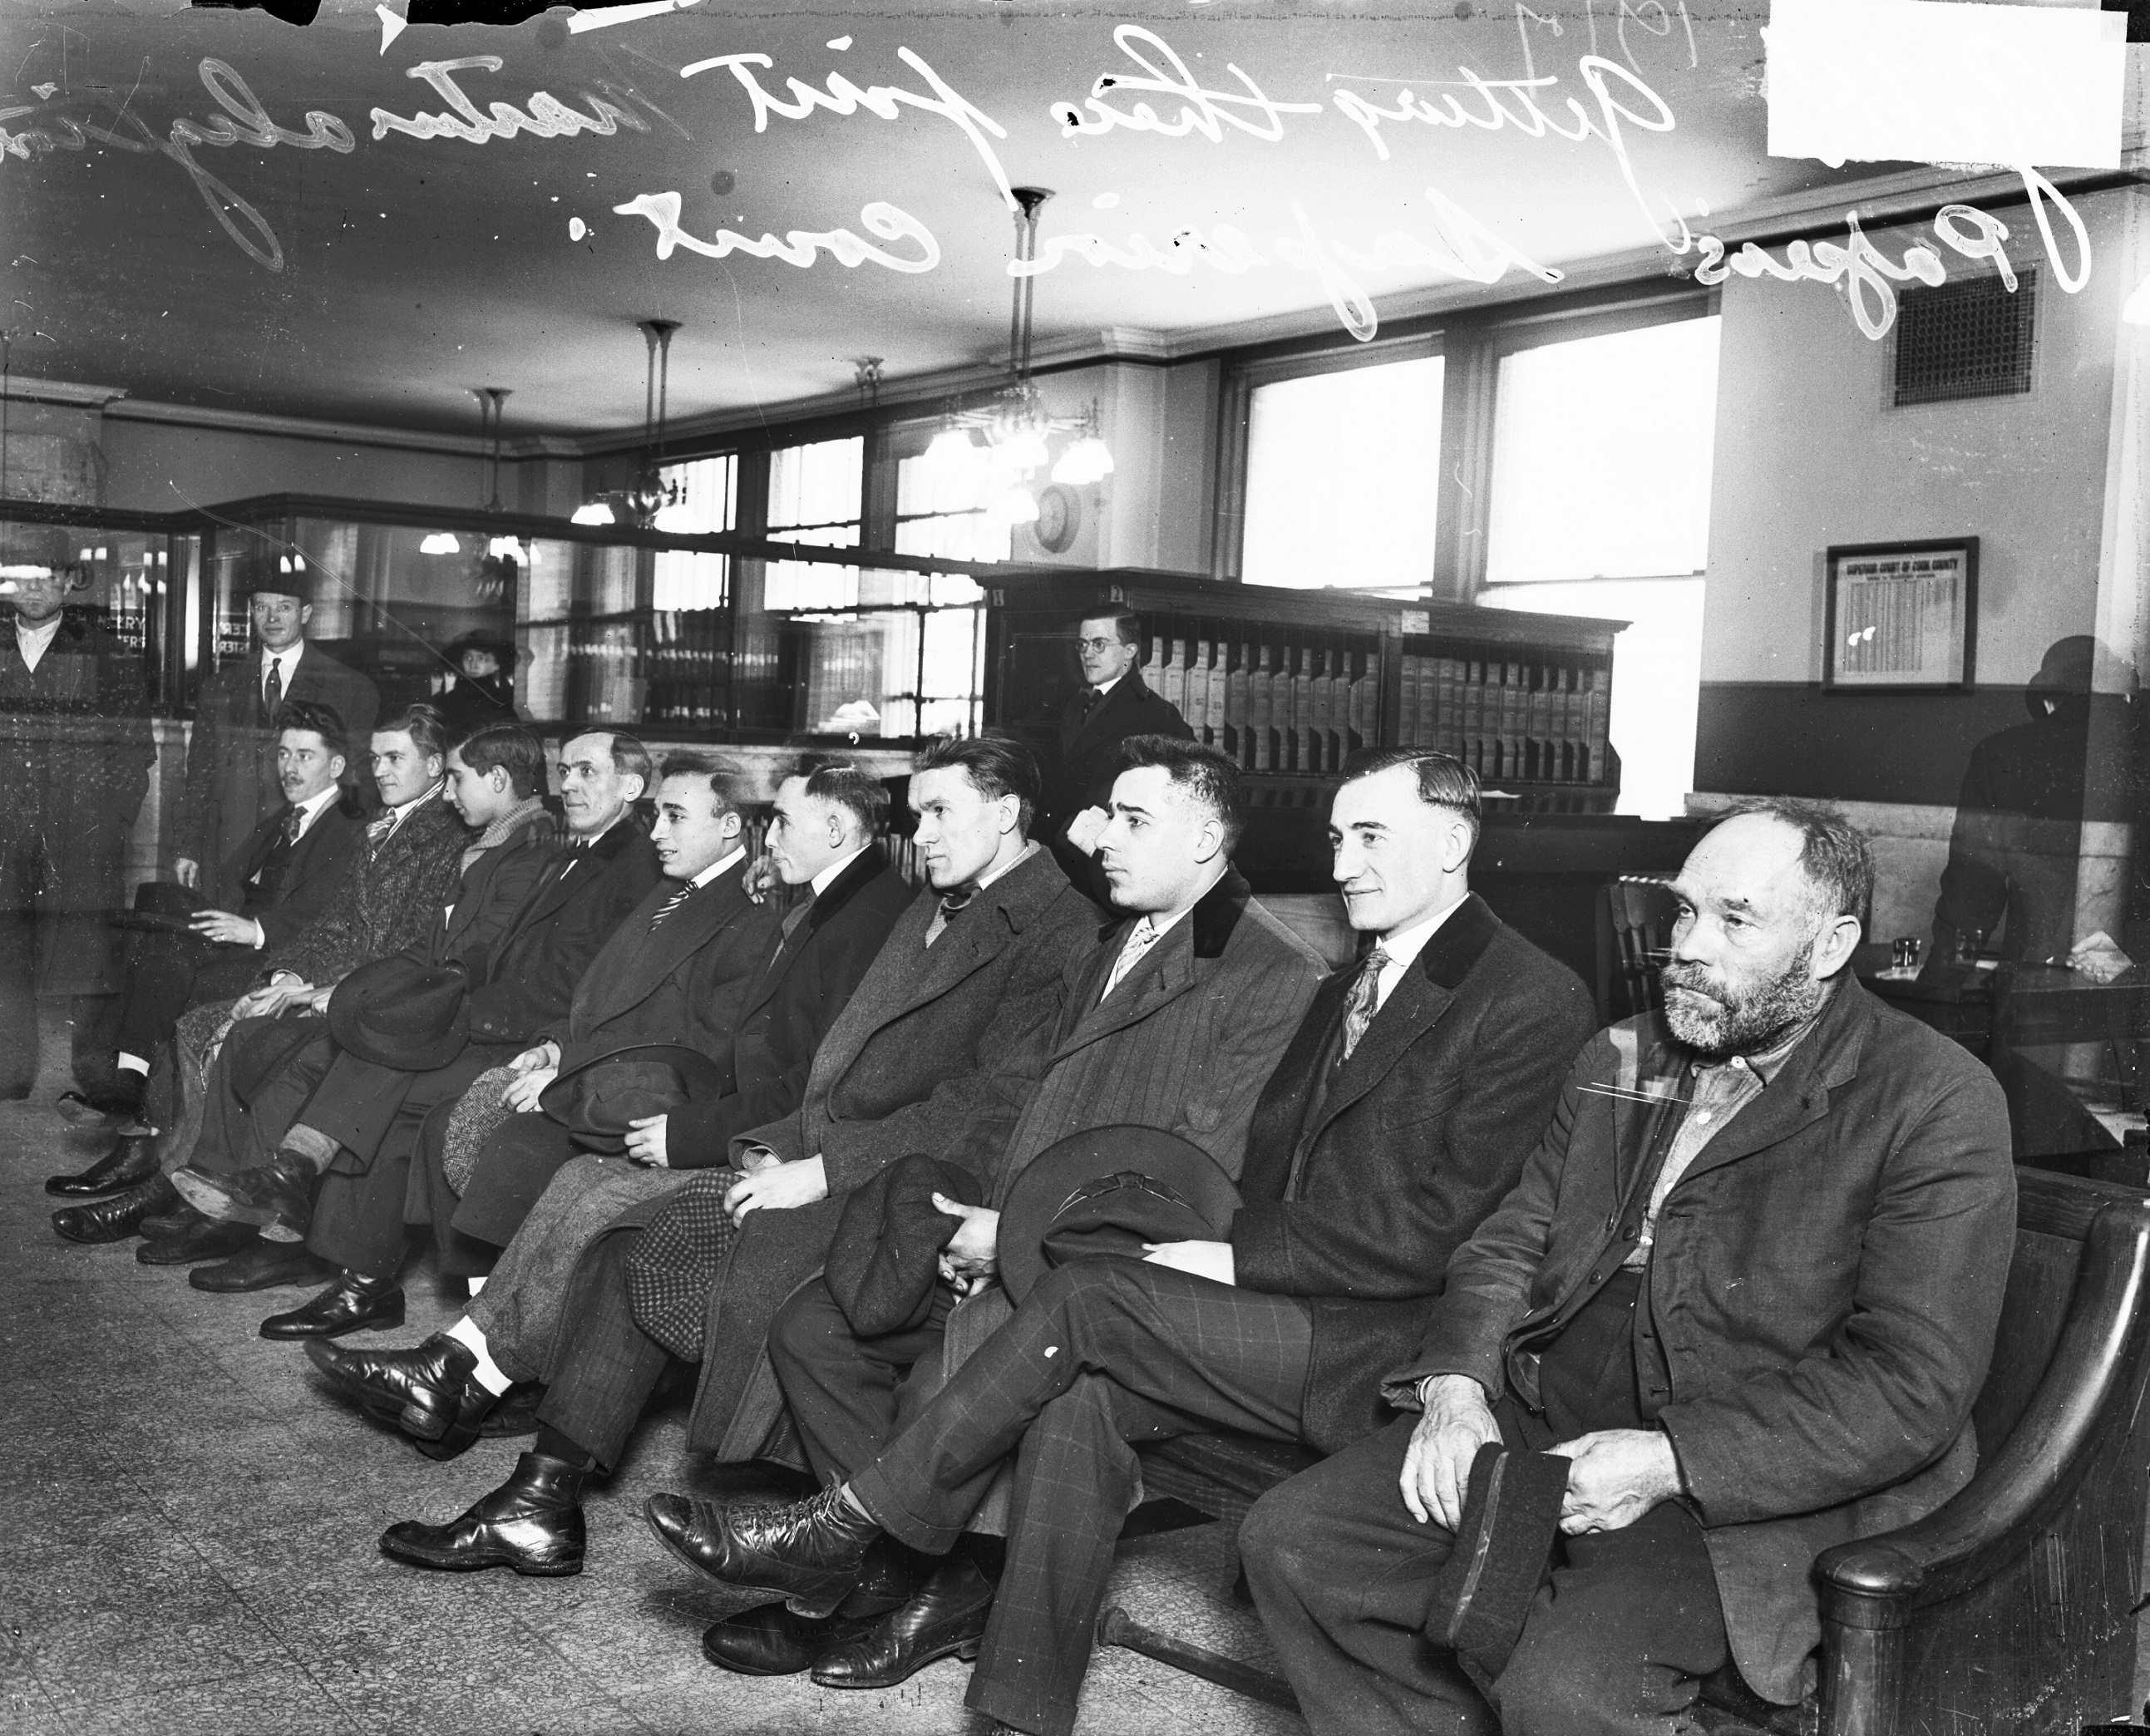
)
(74, 765)
(231, 779)
(1158, 1291)
(318, 1123)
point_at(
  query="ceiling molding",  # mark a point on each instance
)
(300, 427)
(26, 390)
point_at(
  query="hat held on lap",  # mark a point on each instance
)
(1106, 1191)
(395, 1012)
(599, 1098)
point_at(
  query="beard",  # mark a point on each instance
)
(1738, 1021)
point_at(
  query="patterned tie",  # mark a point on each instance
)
(272, 692)
(292, 823)
(1140, 939)
(376, 834)
(672, 903)
(1358, 1008)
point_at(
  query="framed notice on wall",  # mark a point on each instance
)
(1901, 616)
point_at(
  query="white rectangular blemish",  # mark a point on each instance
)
(1932, 81)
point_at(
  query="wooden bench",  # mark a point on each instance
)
(2010, 1610)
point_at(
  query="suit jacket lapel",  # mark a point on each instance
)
(1414, 1006)
(1799, 1095)
(647, 959)
(784, 954)
(1118, 700)
(575, 870)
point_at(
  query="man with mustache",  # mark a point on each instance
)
(1748, 1285)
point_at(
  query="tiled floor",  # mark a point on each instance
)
(190, 1526)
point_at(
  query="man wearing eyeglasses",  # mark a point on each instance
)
(1113, 704)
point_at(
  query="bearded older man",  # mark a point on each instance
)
(1748, 1286)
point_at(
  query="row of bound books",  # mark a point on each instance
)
(1276, 709)
(1509, 719)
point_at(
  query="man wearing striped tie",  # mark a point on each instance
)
(1399, 1113)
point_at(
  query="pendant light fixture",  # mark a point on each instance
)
(1011, 434)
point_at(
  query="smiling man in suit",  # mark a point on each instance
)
(1748, 1286)
(1113, 704)
(231, 779)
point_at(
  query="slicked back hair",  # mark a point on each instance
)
(1125, 624)
(851, 786)
(1444, 781)
(428, 731)
(1834, 853)
(508, 747)
(727, 778)
(629, 758)
(1202, 772)
(316, 718)
(995, 765)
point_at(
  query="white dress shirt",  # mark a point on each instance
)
(34, 642)
(1404, 946)
(285, 661)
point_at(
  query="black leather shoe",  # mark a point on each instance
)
(769, 1640)
(276, 1196)
(117, 1217)
(532, 1523)
(204, 1240)
(352, 1303)
(87, 1109)
(263, 1266)
(430, 1391)
(810, 1553)
(947, 1619)
(133, 1160)
(180, 1219)
(514, 1412)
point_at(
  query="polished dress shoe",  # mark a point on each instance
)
(261, 1266)
(192, 1244)
(277, 1197)
(133, 1160)
(810, 1553)
(177, 1220)
(514, 1412)
(769, 1640)
(430, 1391)
(354, 1303)
(947, 1619)
(118, 1216)
(532, 1523)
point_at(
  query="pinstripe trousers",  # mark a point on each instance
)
(1102, 1355)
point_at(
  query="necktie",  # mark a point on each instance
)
(1140, 939)
(292, 821)
(672, 903)
(793, 917)
(1359, 1007)
(272, 692)
(951, 903)
(1091, 696)
(376, 833)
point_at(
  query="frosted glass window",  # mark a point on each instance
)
(1340, 477)
(707, 504)
(1656, 677)
(1600, 456)
(940, 509)
(815, 496)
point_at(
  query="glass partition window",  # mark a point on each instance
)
(709, 503)
(123, 579)
(940, 506)
(816, 495)
(1340, 477)
(1615, 432)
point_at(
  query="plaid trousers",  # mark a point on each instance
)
(1103, 1354)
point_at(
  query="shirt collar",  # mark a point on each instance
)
(285, 657)
(1029, 851)
(312, 808)
(417, 802)
(42, 634)
(822, 881)
(1407, 943)
(723, 865)
(1160, 921)
(1766, 1065)
(1104, 688)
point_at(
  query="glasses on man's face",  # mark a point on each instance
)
(1097, 645)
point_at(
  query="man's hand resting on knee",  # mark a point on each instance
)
(779, 1187)
(534, 1070)
(1457, 1421)
(1615, 1476)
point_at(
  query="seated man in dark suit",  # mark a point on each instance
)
(288, 871)
(1401, 1113)
(1113, 704)
(1748, 1285)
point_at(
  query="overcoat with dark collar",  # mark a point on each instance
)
(686, 983)
(231, 759)
(799, 994)
(1823, 1290)
(899, 1071)
(390, 899)
(1362, 1177)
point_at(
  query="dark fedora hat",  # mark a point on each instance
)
(1106, 1191)
(599, 1097)
(499, 645)
(161, 906)
(397, 1012)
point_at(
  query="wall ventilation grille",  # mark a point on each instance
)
(1970, 338)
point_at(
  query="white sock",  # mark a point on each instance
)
(476, 1285)
(128, 1063)
(467, 1332)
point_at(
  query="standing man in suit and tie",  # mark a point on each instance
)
(1113, 704)
(289, 869)
(74, 765)
(1398, 1118)
(231, 764)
